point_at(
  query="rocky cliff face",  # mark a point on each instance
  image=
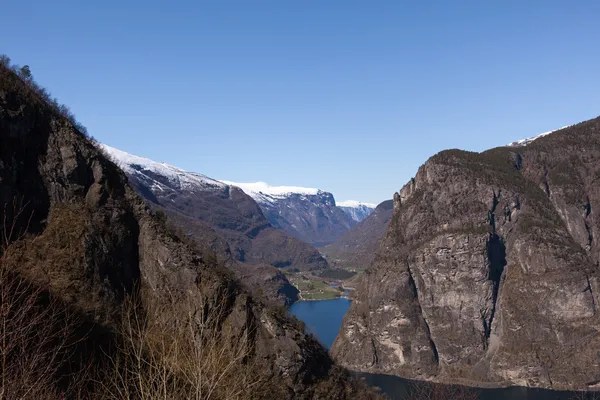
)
(81, 232)
(356, 249)
(488, 273)
(310, 215)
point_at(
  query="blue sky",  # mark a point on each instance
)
(348, 96)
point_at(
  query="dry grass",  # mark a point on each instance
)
(157, 357)
(156, 353)
(55, 259)
(38, 339)
(165, 357)
(38, 335)
(170, 346)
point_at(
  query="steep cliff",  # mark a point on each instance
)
(79, 231)
(488, 273)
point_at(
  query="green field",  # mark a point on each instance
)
(315, 289)
(320, 296)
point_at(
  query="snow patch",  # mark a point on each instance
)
(262, 192)
(174, 177)
(354, 203)
(525, 142)
(357, 210)
(265, 188)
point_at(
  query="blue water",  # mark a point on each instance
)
(323, 318)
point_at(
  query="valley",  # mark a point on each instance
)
(242, 226)
(111, 263)
(300, 200)
(195, 236)
(316, 290)
(313, 286)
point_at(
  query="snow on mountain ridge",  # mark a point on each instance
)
(263, 192)
(177, 178)
(357, 210)
(354, 203)
(265, 188)
(309, 214)
(525, 142)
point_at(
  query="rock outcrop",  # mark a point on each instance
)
(81, 232)
(488, 273)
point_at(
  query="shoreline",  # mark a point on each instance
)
(471, 384)
(336, 298)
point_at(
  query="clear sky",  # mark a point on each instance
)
(347, 96)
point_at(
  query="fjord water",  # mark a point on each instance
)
(397, 388)
(323, 318)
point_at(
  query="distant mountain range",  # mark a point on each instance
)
(357, 210)
(307, 213)
(245, 213)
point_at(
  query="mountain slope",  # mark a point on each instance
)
(357, 210)
(356, 249)
(488, 273)
(309, 214)
(81, 233)
(203, 206)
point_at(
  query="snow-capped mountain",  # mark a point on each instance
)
(218, 215)
(307, 213)
(161, 176)
(263, 193)
(525, 142)
(357, 210)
